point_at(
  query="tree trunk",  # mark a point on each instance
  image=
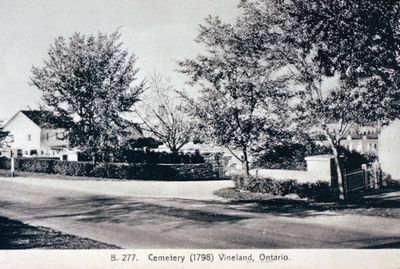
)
(339, 172)
(246, 165)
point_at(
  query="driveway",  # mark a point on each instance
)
(132, 221)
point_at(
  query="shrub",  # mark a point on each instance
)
(5, 163)
(353, 160)
(35, 165)
(319, 191)
(83, 169)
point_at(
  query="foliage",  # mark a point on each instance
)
(352, 159)
(242, 93)
(141, 142)
(88, 83)
(342, 58)
(139, 156)
(357, 43)
(162, 115)
(5, 163)
(290, 155)
(353, 44)
(319, 191)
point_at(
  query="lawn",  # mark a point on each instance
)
(379, 203)
(17, 235)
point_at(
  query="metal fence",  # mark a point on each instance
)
(368, 177)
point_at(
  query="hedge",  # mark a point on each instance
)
(140, 171)
(319, 191)
(140, 156)
(5, 163)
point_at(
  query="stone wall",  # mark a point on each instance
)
(319, 168)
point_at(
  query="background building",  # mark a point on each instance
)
(35, 133)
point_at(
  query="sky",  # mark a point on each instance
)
(159, 32)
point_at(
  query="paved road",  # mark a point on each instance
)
(143, 222)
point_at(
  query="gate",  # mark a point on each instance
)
(363, 179)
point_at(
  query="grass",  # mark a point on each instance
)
(17, 235)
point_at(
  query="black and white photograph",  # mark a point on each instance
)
(200, 132)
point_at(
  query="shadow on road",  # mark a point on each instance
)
(96, 209)
(123, 210)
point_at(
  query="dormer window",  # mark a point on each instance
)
(47, 136)
(29, 137)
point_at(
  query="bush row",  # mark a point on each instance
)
(319, 191)
(147, 156)
(139, 156)
(113, 170)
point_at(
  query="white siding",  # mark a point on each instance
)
(49, 139)
(21, 127)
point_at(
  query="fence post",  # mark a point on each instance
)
(12, 166)
(376, 170)
(345, 182)
(366, 181)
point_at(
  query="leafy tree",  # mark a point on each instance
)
(242, 93)
(88, 81)
(3, 135)
(162, 114)
(352, 45)
(356, 44)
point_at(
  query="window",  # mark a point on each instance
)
(29, 137)
(47, 136)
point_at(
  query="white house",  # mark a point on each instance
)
(35, 133)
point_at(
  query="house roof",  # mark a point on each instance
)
(44, 119)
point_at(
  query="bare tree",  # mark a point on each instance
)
(162, 115)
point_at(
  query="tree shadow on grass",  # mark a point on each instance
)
(383, 205)
(17, 235)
